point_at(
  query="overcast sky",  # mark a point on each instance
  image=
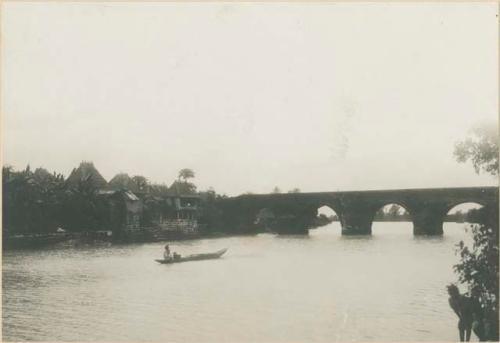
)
(319, 96)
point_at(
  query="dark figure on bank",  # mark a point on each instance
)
(464, 308)
(478, 323)
(485, 324)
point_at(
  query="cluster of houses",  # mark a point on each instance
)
(133, 206)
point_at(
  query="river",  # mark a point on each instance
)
(320, 288)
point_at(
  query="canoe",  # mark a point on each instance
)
(195, 257)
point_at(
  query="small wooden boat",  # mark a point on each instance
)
(195, 257)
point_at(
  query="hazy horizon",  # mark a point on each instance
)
(316, 96)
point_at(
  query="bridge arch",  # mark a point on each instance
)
(387, 211)
(465, 211)
(392, 212)
(325, 214)
(472, 203)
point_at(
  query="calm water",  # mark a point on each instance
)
(325, 287)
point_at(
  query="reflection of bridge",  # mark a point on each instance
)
(294, 212)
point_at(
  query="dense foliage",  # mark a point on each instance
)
(478, 267)
(210, 213)
(481, 148)
(42, 202)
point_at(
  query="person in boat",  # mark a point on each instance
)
(463, 307)
(166, 253)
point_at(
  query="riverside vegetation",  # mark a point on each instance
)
(478, 266)
(40, 202)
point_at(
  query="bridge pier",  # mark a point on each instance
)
(290, 225)
(356, 220)
(428, 220)
(292, 220)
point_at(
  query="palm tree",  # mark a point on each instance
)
(186, 174)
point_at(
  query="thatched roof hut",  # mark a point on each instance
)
(86, 172)
(123, 181)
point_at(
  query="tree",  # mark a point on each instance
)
(83, 208)
(141, 182)
(31, 201)
(276, 190)
(295, 190)
(7, 171)
(159, 189)
(473, 215)
(481, 148)
(478, 266)
(209, 213)
(186, 174)
(393, 211)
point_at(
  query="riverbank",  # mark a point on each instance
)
(99, 238)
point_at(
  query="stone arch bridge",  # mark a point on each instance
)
(356, 210)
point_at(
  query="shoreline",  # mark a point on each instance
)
(75, 240)
(33, 241)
